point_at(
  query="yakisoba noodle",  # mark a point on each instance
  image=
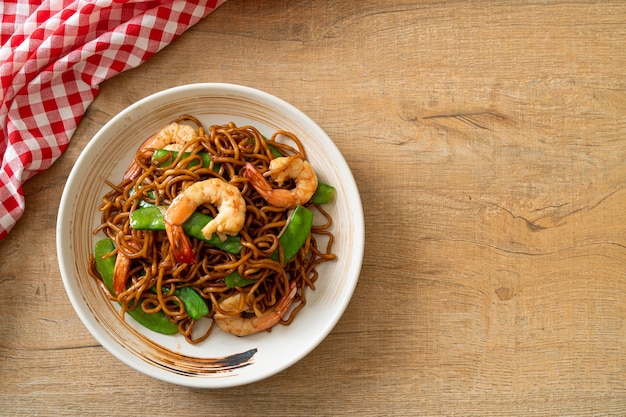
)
(153, 276)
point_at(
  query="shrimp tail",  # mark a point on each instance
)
(181, 247)
(284, 304)
(279, 310)
(120, 273)
(133, 171)
(121, 268)
(281, 169)
(258, 181)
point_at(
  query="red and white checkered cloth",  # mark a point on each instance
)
(53, 56)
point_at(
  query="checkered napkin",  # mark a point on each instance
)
(53, 56)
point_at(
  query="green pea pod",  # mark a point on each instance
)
(166, 157)
(151, 218)
(235, 280)
(324, 194)
(194, 225)
(105, 266)
(295, 234)
(194, 304)
(274, 151)
(158, 321)
(148, 218)
(151, 194)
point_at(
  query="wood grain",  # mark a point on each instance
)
(487, 141)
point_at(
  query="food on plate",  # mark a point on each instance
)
(221, 226)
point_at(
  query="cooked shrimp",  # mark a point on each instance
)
(172, 134)
(280, 170)
(229, 221)
(240, 326)
(121, 268)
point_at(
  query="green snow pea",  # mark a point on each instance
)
(194, 304)
(105, 266)
(165, 157)
(324, 194)
(235, 280)
(151, 218)
(274, 151)
(295, 234)
(158, 321)
(148, 218)
(142, 203)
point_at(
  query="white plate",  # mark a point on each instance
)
(223, 360)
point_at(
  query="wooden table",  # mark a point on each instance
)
(488, 141)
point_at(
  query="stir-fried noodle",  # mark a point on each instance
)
(154, 273)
